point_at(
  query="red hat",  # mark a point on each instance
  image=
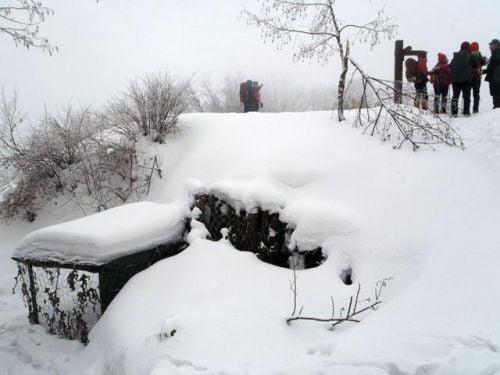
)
(465, 46)
(474, 46)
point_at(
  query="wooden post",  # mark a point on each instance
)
(33, 309)
(398, 72)
(399, 57)
(108, 287)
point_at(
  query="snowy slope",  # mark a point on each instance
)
(428, 219)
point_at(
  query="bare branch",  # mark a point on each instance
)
(417, 128)
(21, 23)
(352, 309)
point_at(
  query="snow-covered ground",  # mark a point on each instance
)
(429, 220)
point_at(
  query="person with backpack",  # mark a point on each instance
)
(245, 94)
(441, 79)
(493, 72)
(462, 65)
(421, 73)
(476, 75)
(250, 96)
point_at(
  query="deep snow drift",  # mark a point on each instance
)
(427, 219)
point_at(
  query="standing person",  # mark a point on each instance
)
(245, 95)
(441, 79)
(493, 72)
(421, 79)
(476, 75)
(461, 77)
(254, 100)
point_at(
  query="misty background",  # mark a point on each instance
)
(103, 45)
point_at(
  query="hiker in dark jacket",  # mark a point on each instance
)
(476, 75)
(493, 72)
(462, 66)
(441, 79)
(421, 79)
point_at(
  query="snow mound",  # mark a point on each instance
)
(99, 238)
(428, 219)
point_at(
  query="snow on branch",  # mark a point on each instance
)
(412, 125)
(20, 19)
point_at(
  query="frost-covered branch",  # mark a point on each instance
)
(413, 126)
(20, 20)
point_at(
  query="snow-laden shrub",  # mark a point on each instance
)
(151, 105)
(78, 155)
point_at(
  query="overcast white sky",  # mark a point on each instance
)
(103, 44)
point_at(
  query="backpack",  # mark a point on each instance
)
(411, 69)
(478, 70)
(245, 91)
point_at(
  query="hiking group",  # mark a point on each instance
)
(464, 73)
(250, 96)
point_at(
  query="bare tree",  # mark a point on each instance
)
(20, 19)
(10, 120)
(223, 97)
(315, 30)
(211, 97)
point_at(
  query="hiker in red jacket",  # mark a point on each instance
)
(441, 80)
(421, 79)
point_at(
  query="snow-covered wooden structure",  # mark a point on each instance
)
(69, 273)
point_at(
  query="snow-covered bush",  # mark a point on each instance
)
(151, 105)
(78, 155)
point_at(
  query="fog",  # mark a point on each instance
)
(104, 44)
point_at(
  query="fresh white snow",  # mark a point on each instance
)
(427, 219)
(99, 238)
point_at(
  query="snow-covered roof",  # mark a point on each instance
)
(107, 235)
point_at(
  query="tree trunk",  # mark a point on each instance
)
(341, 87)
